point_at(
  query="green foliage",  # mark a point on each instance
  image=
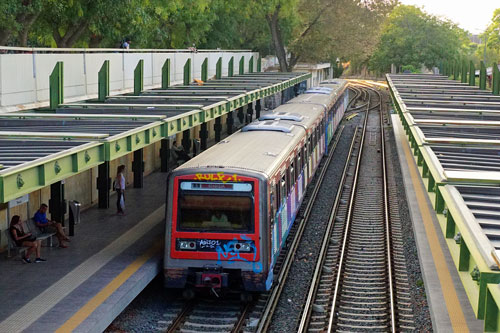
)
(489, 49)
(409, 68)
(412, 37)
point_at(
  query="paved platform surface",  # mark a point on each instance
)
(448, 303)
(83, 288)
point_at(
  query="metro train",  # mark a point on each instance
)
(230, 209)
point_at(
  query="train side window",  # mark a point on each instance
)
(278, 194)
(297, 166)
(288, 180)
(292, 173)
(283, 188)
(272, 203)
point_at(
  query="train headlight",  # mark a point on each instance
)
(187, 245)
(243, 247)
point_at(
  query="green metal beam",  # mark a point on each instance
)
(250, 65)
(242, 66)
(204, 70)
(218, 69)
(56, 86)
(139, 78)
(103, 82)
(496, 80)
(187, 72)
(29, 177)
(482, 76)
(464, 72)
(472, 74)
(259, 65)
(165, 74)
(230, 67)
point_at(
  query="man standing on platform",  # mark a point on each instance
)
(48, 226)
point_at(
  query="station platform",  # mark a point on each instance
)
(449, 305)
(83, 288)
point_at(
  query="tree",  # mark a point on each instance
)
(489, 49)
(17, 19)
(412, 37)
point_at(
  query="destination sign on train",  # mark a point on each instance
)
(203, 186)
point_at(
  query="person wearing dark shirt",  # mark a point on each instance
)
(25, 239)
(48, 226)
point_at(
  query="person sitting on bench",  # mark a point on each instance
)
(25, 239)
(49, 226)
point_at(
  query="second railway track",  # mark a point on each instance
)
(360, 283)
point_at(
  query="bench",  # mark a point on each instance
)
(40, 235)
(11, 245)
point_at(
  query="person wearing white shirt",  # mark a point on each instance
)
(120, 190)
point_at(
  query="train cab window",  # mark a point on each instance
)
(211, 211)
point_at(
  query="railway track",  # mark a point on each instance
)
(360, 283)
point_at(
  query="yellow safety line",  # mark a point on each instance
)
(453, 306)
(108, 290)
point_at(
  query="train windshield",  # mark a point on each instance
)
(216, 211)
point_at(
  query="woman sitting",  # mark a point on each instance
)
(25, 239)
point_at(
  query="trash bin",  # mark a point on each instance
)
(74, 215)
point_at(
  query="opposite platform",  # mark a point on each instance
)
(448, 303)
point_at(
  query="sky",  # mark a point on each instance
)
(473, 16)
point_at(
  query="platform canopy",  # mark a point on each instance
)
(38, 148)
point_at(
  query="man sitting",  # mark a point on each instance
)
(48, 226)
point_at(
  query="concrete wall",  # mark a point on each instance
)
(24, 77)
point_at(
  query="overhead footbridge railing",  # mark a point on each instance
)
(453, 130)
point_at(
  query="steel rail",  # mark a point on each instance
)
(277, 289)
(348, 220)
(177, 322)
(306, 314)
(390, 271)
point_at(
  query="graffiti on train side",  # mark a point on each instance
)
(219, 176)
(231, 251)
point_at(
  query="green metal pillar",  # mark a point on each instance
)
(204, 70)
(242, 66)
(259, 65)
(103, 82)
(187, 72)
(218, 69)
(56, 86)
(464, 72)
(482, 76)
(472, 74)
(441, 68)
(139, 78)
(250, 65)
(456, 70)
(230, 67)
(165, 74)
(495, 80)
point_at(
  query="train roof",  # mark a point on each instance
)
(325, 94)
(253, 148)
(263, 145)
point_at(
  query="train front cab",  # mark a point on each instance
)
(213, 232)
